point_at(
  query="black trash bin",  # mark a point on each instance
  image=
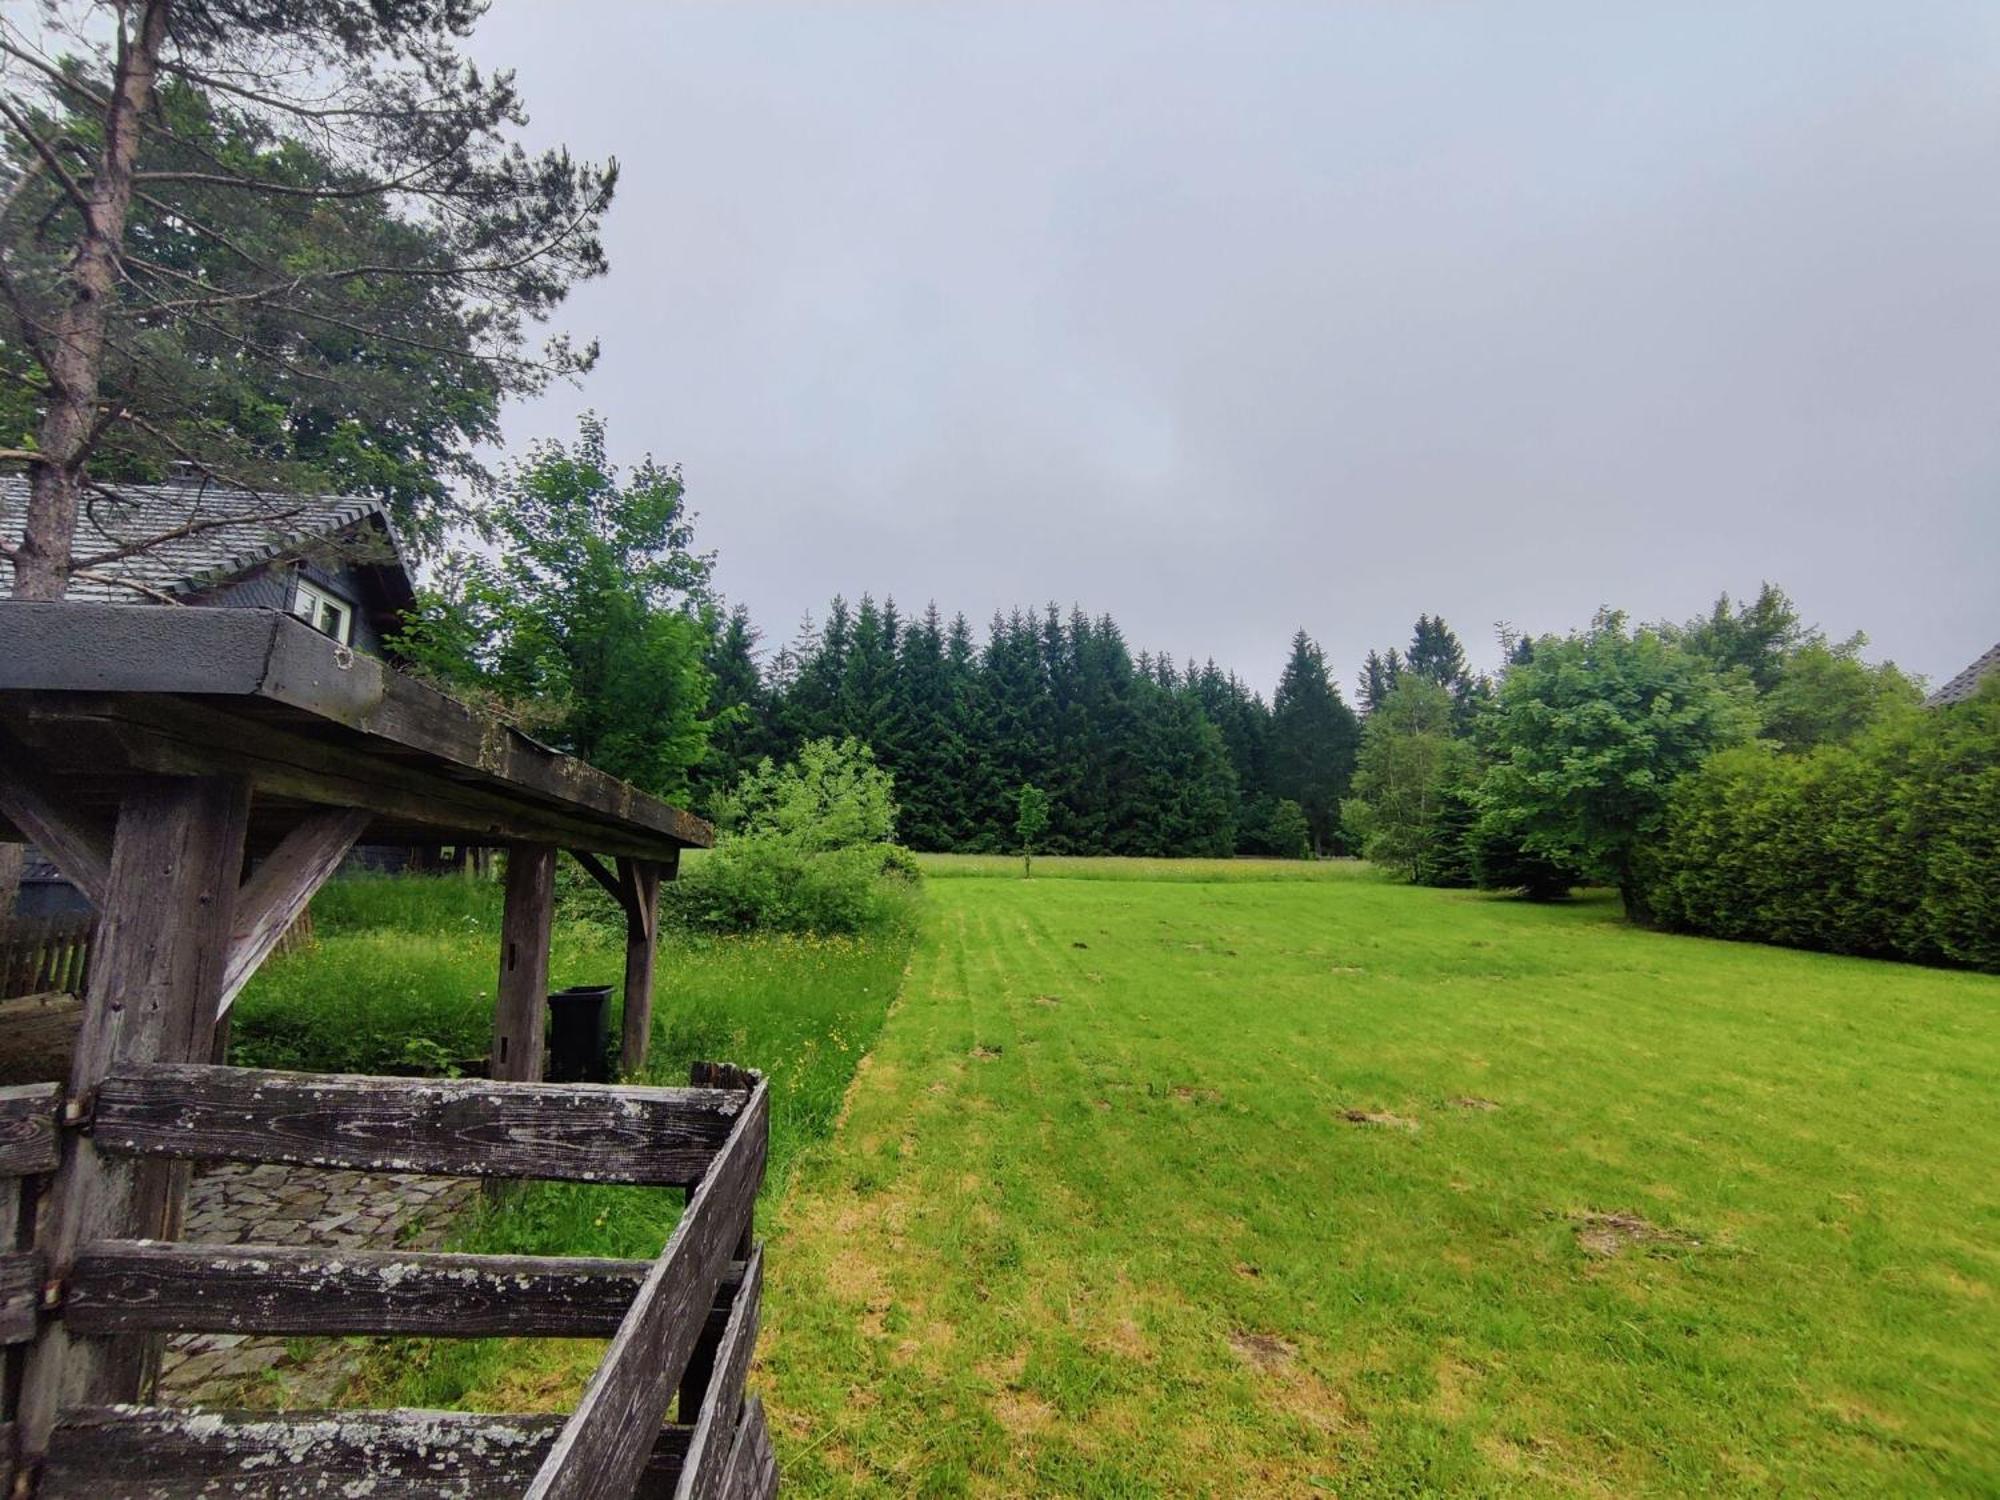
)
(580, 1034)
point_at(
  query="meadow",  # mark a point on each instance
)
(1262, 1179)
(1335, 1186)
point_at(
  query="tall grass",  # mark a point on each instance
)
(1118, 867)
(403, 974)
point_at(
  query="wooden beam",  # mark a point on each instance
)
(521, 1004)
(123, 1285)
(79, 844)
(753, 1467)
(604, 1446)
(280, 888)
(149, 1285)
(111, 737)
(21, 1275)
(162, 943)
(707, 1466)
(641, 877)
(450, 1127)
(28, 1129)
(614, 884)
(268, 661)
(164, 1453)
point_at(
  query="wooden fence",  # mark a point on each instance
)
(39, 955)
(51, 955)
(683, 1323)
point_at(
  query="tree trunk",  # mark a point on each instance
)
(70, 426)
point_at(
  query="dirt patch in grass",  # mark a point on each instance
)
(1265, 1351)
(1019, 1412)
(1048, 1000)
(1380, 1117)
(1607, 1235)
(1196, 1096)
(1473, 1102)
(985, 1053)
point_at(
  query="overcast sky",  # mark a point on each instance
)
(1234, 320)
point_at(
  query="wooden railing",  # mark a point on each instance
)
(685, 1321)
(39, 955)
(29, 1146)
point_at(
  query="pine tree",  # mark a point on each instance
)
(738, 707)
(1378, 679)
(931, 759)
(1314, 738)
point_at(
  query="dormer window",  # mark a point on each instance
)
(324, 611)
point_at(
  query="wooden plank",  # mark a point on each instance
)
(275, 894)
(123, 1285)
(160, 1453)
(176, 861)
(521, 1004)
(28, 1130)
(753, 1467)
(707, 1466)
(641, 877)
(267, 657)
(177, 735)
(614, 885)
(448, 1127)
(41, 1032)
(603, 1448)
(22, 1273)
(79, 844)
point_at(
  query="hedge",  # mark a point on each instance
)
(1887, 846)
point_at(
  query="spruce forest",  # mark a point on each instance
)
(1139, 754)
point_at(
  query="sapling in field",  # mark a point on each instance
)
(1031, 817)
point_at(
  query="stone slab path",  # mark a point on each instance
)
(233, 1203)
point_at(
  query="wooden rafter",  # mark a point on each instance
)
(280, 888)
(79, 844)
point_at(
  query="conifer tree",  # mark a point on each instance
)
(1314, 737)
(738, 706)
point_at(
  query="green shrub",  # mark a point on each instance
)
(752, 884)
(1888, 846)
(1447, 859)
(806, 847)
(1500, 860)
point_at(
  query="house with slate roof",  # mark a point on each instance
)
(332, 560)
(1966, 683)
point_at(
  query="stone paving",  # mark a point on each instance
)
(233, 1203)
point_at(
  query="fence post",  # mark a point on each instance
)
(170, 892)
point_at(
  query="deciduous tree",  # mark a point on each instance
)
(595, 606)
(1585, 740)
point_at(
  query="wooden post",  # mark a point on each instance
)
(641, 880)
(163, 942)
(521, 1004)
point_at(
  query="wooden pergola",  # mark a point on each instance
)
(198, 774)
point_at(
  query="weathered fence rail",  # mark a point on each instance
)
(455, 1127)
(39, 955)
(157, 1453)
(684, 1321)
(29, 1146)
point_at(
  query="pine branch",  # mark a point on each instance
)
(193, 527)
(43, 150)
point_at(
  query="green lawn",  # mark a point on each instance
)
(397, 959)
(1299, 1182)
